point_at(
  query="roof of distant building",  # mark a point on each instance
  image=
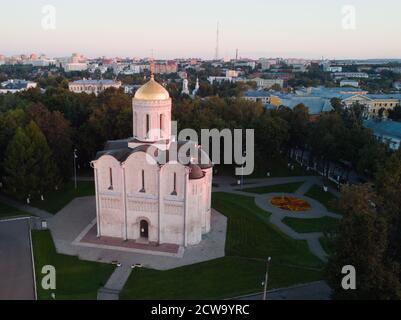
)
(16, 84)
(315, 105)
(384, 128)
(95, 82)
(256, 94)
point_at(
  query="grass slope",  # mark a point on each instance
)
(323, 224)
(250, 240)
(56, 200)
(75, 279)
(326, 198)
(7, 212)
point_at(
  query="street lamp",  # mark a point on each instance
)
(75, 168)
(242, 168)
(266, 277)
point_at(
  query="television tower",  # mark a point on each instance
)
(217, 41)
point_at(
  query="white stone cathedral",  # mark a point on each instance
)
(139, 197)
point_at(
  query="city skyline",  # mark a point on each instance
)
(257, 29)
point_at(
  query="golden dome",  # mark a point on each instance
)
(151, 90)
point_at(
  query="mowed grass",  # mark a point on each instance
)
(250, 235)
(250, 240)
(56, 200)
(75, 279)
(8, 212)
(217, 279)
(278, 188)
(328, 199)
(278, 167)
(328, 244)
(324, 224)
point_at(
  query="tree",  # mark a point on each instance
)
(28, 165)
(362, 242)
(389, 187)
(45, 167)
(395, 114)
(18, 163)
(58, 135)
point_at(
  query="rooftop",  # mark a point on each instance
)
(384, 128)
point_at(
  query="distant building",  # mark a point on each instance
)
(350, 75)
(268, 83)
(166, 67)
(16, 85)
(374, 103)
(316, 105)
(299, 67)
(217, 79)
(349, 83)
(388, 132)
(333, 69)
(349, 96)
(232, 73)
(257, 96)
(249, 64)
(93, 86)
(131, 88)
(75, 66)
(397, 85)
(185, 89)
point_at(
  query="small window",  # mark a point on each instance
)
(111, 178)
(174, 193)
(161, 125)
(143, 182)
(147, 125)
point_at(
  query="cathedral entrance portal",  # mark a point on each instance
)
(144, 229)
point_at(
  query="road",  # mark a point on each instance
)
(312, 291)
(16, 273)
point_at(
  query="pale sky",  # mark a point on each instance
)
(187, 28)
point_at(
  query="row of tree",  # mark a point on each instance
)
(369, 237)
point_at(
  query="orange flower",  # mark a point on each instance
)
(290, 204)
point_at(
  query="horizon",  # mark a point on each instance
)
(308, 30)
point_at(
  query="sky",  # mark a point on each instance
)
(186, 28)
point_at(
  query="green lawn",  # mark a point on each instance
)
(56, 200)
(7, 211)
(75, 279)
(217, 279)
(250, 240)
(278, 168)
(326, 198)
(327, 244)
(312, 225)
(278, 188)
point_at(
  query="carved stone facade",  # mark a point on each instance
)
(140, 198)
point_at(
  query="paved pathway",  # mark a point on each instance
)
(16, 265)
(115, 284)
(277, 214)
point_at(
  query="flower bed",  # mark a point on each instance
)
(290, 204)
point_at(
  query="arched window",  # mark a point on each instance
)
(143, 182)
(161, 125)
(111, 178)
(147, 125)
(174, 193)
(135, 124)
